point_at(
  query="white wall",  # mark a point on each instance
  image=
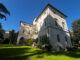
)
(49, 16)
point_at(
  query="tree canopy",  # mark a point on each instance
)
(76, 30)
(3, 9)
(0, 26)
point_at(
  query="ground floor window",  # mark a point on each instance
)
(58, 37)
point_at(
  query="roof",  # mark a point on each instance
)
(51, 7)
(25, 22)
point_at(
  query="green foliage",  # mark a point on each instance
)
(73, 40)
(13, 36)
(6, 45)
(40, 44)
(44, 40)
(1, 36)
(1, 40)
(30, 41)
(4, 10)
(76, 31)
(0, 26)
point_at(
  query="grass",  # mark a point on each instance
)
(10, 52)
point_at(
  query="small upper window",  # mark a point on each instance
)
(63, 24)
(56, 23)
(45, 22)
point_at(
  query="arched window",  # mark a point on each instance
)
(58, 37)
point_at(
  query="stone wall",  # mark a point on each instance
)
(26, 32)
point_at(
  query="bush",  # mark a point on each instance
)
(1, 40)
(44, 43)
(30, 42)
(6, 41)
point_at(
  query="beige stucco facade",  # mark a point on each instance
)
(26, 32)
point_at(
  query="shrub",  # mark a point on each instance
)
(1, 40)
(44, 43)
(30, 42)
(6, 41)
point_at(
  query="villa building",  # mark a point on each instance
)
(50, 22)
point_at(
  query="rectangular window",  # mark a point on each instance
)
(63, 24)
(48, 30)
(66, 39)
(56, 23)
(58, 38)
(45, 22)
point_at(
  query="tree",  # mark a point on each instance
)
(1, 33)
(3, 9)
(12, 36)
(16, 36)
(76, 31)
(0, 26)
(30, 42)
(44, 43)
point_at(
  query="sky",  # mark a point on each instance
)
(27, 10)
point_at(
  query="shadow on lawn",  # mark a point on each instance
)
(17, 53)
(40, 54)
(13, 53)
(73, 53)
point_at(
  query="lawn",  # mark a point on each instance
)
(10, 52)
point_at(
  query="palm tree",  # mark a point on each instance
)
(0, 26)
(3, 9)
